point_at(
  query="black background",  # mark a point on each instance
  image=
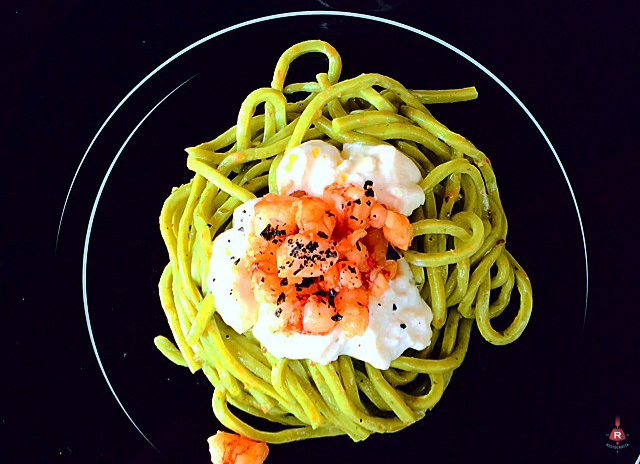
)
(68, 63)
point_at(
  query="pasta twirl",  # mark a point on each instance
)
(458, 256)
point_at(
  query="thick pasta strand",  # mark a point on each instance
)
(458, 256)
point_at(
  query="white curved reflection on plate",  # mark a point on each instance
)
(248, 23)
(86, 252)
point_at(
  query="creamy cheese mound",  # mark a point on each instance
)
(229, 279)
(399, 319)
(315, 164)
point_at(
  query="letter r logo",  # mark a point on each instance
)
(617, 435)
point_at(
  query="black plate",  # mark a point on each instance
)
(498, 403)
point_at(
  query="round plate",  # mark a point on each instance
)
(498, 393)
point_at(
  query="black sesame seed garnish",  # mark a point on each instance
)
(394, 307)
(281, 298)
(336, 317)
(368, 202)
(241, 229)
(322, 235)
(403, 326)
(278, 312)
(267, 232)
(368, 184)
(306, 282)
(358, 201)
(284, 281)
(236, 261)
(312, 246)
(369, 193)
(332, 297)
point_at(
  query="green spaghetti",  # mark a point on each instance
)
(458, 256)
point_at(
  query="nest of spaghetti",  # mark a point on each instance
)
(457, 256)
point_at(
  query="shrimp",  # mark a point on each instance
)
(265, 281)
(313, 215)
(349, 274)
(318, 260)
(275, 217)
(230, 448)
(260, 260)
(337, 203)
(306, 255)
(291, 317)
(354, 251)
(391, 267)
(352, 204)
(377, 216)
(398, 230)
(377, 245)
(317, 316)
(353, 305)
(378, 283)
(350, 240)
(331, 278)
(357, 214)
(359, 255)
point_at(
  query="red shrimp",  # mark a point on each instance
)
(320, 259)
(353, 305)
(230, 448)
(398, 230)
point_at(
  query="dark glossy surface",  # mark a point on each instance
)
(552, 394)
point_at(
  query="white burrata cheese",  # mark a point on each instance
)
(229, 280)
(315, 164)
(399, 319)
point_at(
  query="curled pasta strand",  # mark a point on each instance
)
(275, 115)
(302, 48)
